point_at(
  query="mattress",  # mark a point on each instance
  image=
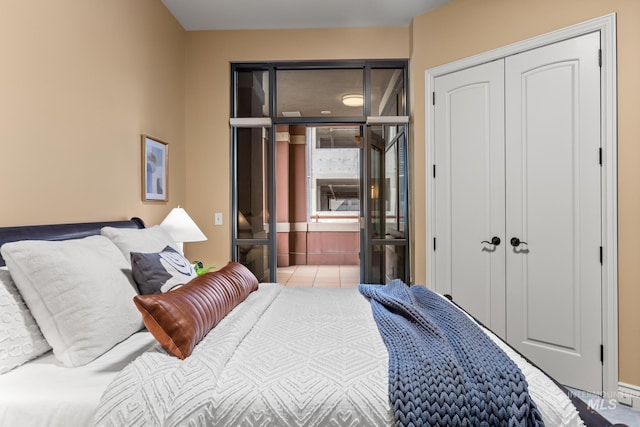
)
(44, 392)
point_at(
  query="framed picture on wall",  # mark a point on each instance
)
(155, 171)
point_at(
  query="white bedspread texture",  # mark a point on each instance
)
(283, 357)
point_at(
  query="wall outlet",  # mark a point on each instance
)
(625, 399)
(218, 218)
(629, 395)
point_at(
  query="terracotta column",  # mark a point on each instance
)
(282, 194)
(298, 194)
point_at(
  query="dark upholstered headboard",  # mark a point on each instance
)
(61, 231)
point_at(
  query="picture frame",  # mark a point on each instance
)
(155, 170)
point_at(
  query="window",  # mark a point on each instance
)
(329, 89)
(334, 173)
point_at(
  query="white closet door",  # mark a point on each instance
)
(553, 204)
(469, 191)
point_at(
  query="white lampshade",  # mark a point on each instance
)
(181, 227)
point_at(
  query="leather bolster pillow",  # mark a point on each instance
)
(179, 319)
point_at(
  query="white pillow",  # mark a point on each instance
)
(20, 337)
(146, 240)
(78, 291)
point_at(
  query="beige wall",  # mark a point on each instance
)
(466, 27)
(79, 82)
(209, 55)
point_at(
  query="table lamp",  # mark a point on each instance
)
(182, 228)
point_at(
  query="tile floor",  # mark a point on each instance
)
(320, 276)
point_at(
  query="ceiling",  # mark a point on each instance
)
(197, 15)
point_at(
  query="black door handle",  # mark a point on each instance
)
(495, 240)
(515, 242)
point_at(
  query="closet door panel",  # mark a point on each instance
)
(469, 186)
(553, 204)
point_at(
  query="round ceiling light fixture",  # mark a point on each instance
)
(353, 100)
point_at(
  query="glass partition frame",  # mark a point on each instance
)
(385, 236)
(369, 244)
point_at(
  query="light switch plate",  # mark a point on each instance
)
(218, 218)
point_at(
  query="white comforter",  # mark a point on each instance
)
(284, 357)
(280, 358)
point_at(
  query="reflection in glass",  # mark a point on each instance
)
(395, 174)
(376, 211)
(252, 170)
(388, 181)
(388, 263)
(327, 88)
(337, 136)
(387, 92)
(252, 93)
(256, 259)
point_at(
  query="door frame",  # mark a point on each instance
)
(606, 25)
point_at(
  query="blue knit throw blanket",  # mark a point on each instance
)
(443, 370)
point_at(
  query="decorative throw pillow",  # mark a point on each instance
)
(78, 293)
(160, 272)
(20, 337)
(147, 240)
(181, 318)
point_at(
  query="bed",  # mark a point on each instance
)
(255, 354)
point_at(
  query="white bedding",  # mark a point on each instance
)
(282, 357)
(45, 393)
(286, 356)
